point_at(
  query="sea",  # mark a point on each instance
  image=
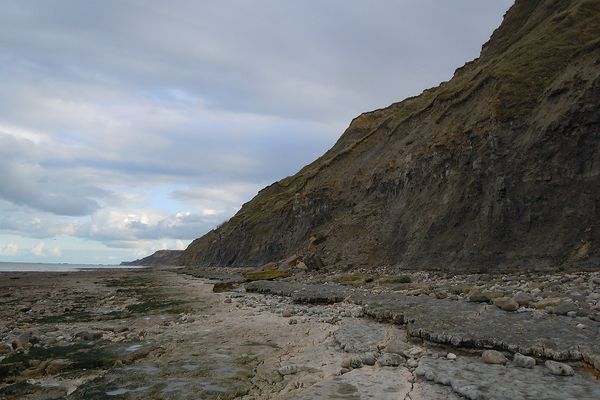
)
(42, 267)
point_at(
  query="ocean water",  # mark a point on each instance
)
(41, 267)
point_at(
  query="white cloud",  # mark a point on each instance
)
(11, 249)
(55, 252)
(38, 249)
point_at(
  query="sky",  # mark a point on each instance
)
(128, 126)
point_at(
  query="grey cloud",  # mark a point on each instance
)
(311, 59)
(23, 181)
(100, 97)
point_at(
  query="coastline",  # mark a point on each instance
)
(58, 267)
(157, 333)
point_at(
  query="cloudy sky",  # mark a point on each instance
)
(129, 126)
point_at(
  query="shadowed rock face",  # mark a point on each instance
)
(497, 168)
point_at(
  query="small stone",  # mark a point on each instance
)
(572, 314)
(521, 361)
(506, 304)
(287, 313)
(55, 366)
(5, 348)
(398, 346)
(369, 358)
(580, 326)
(344, 371)
(480, 297)
(88, 335)
(412, 363)
(292, 321)
(356, 362)
(441, 294)
(287, 370)
(346, 362)
(550, 301)
(557, 368)
(415, 351)
(22, 342)
(390, 360)
(524, 299)
(493, 357)
(451, 356)
(352, 362)
(227, 301)
(221, 287)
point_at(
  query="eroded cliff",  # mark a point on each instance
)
(497, 168)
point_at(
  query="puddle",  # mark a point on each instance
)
(117, 392)
(213, 388)
(174, 386)
(190, 367)
(148, 369)
(220, 355)
(225, 370)
(132, 348)
(121, 391)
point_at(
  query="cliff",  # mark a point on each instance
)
(496, 169)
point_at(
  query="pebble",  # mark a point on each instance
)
(506, 304)
(561, 369)
(369, 358)
(412, 363)
(287, 313)
(352, 362)
(523, 299)
(415, 351)
(5, 348)
(580, 326)
(451, 356)
(55, 366)
(287, 370)
(521, 361)
(493, 357)
(390, 360)
(346, 362)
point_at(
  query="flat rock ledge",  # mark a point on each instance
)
(475, 380)
(460, 323)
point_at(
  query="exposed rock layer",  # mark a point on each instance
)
(497, 168)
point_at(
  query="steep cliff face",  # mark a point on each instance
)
(497, 168)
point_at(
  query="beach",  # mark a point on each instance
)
(160, 333)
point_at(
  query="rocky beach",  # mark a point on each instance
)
(165, 333)
(445, 247)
